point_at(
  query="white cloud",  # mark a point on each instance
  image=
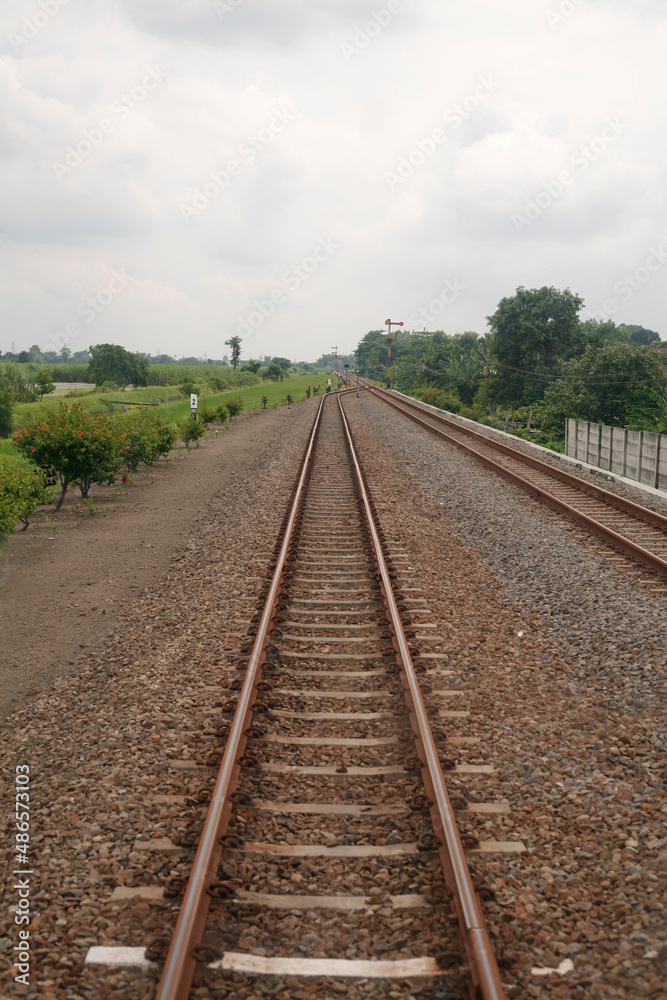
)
(324, 173)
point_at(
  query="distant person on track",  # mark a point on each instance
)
(328, 385)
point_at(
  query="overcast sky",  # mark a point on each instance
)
(174, 172)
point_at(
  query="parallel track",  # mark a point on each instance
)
(628, 527)
(331, 775)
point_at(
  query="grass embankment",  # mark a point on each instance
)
(7, 450)
(173, 404)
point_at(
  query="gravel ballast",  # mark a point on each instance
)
(554, 647)
(562, 647)
(121, 728)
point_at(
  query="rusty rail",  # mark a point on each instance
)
(180, 964)
(611, 537)
(627, 506)
(481, 965)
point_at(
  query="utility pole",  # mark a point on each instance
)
(390, 323)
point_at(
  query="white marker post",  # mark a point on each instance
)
(193, 404)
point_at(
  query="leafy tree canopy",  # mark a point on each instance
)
(608, 385)
(532, 332)
(235, 344)
(640, 335)
(112, 363)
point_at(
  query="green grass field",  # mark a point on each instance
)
(173, 404)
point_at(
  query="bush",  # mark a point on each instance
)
(234, 406)
(493, 422)
(188, 387)
(144, 436)
(191, 430)
(444, 399)
(222, 412)
(207, 416)
(6, 411)
(22, 490)
(81, 447)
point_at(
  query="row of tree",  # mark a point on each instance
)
(538, 357)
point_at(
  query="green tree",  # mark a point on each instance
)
(80, 447)
(640, 335)
(43, 383)
(144, 436)
(605, 385)
(650, 418)
(235, 344)
(22, 490)
(6, 412)
(274, 372)
(253, 366)
(112, 363)
(533, 331)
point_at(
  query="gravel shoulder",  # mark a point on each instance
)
(66, 581)
(558, 652)
(103, 739)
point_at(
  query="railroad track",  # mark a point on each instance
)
(636, 531)
(330, 846)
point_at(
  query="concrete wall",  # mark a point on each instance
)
(639, 455)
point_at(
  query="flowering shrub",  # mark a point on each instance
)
(143, 437)
(22, 490)
(80, 447)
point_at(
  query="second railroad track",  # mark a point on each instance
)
(628, 527)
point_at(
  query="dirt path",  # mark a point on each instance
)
(63, 591)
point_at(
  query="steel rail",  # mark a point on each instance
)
(611, 537)
(180, 963)
(628, 506)
(481, 965)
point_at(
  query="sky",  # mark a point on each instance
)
(177, 172)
